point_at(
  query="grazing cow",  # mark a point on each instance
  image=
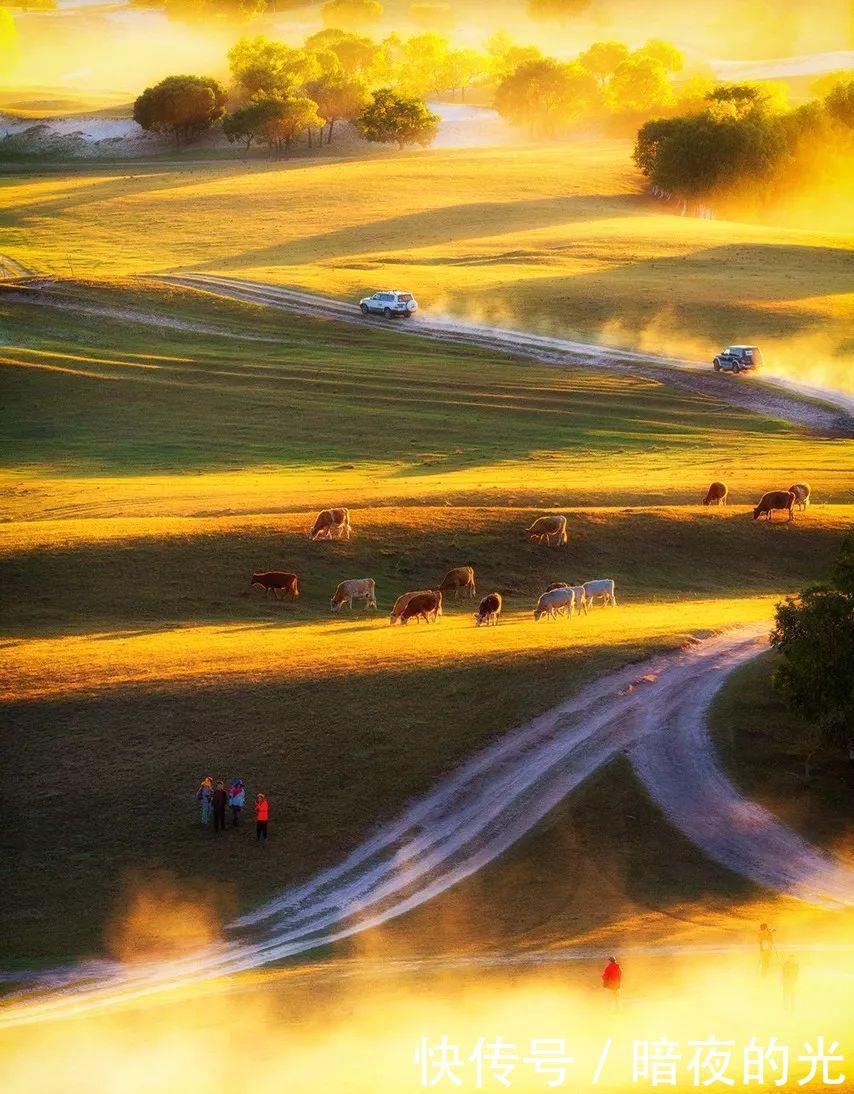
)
(559, 601)
(801, 491)
(400, 604)
(582, 604)
(489, 610)
(602, 589)
(548, 528)
(775, 499)
(362, 588)
(717, 494)
(425, 605)
(459, 580)
(557, 585)
(331, 523)
(277, 583)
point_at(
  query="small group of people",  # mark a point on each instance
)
(215, 800)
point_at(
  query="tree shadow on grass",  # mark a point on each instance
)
(449, 224)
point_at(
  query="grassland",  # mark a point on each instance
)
(555, 238)
(766, 748)
(150, 467)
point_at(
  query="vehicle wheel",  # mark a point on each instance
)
(736, 369)
(364, 308)
(717, 366)
(387, 313)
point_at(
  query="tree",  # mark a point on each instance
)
(267, 68)
(505, 57)
(671, 58)
(337, 98)
(182, 105)
(737, 101)
(437, 17)
(392, 118)
(839, 104)
(814, 634)
(546, 96)
(423, 67)
(351, 14)
(697, 155)
(555, 11)
(284, 118)
(639, 85)
(460, 68)
(244, 125)
(602, 58)
(356, 55)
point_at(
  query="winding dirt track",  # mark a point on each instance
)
(655, 712)
(769, 398)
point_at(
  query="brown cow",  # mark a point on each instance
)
(426, 606)
(557, 585)
(717, 494)
(276, 582)
(331, 522)
(775, 499)
(548, 528)
(801, 491)
(459, 580)
(489, 610)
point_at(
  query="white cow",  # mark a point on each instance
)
(362, 588)
(600, 590)
(555, 602)
(581, 602)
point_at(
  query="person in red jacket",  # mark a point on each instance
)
(262, 815)
(612, 979)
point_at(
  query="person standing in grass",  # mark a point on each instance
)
(219, 802)
(262, 816)
(204, 795)
(612, 980)
(236, 800)
(766, 948)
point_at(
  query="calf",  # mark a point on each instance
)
(775, 499)
(489, 610)
(600, 590)
(276, 582)
(363, 588)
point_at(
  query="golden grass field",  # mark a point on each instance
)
(160, 445)
(552, 238)
(149, 469)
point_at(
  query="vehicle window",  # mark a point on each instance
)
(405, 297)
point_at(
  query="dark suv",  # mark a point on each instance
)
(738, 359)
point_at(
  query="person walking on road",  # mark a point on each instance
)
(236, 800)
(204, 795)
(767, 949)
(790, 972)
(262, 816)
(219, 802)
(612, 979)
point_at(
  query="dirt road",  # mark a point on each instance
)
(784, 400)
(654, 711)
